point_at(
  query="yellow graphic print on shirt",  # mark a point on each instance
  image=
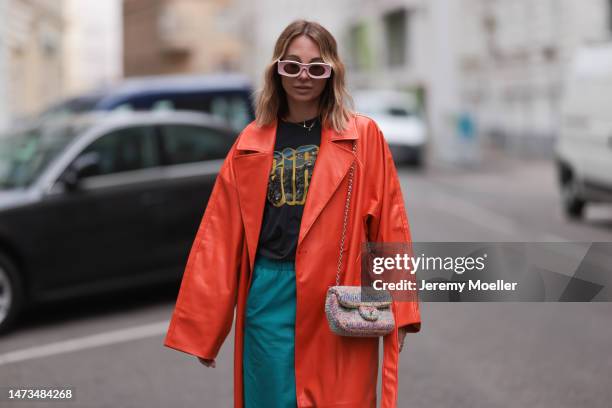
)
(290, 175)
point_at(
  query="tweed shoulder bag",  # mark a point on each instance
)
(357, 311)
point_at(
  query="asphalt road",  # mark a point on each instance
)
(108, 349)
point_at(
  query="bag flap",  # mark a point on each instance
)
(355, 296)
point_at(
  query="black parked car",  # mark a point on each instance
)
(99, 202)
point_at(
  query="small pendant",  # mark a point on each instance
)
(309, 127)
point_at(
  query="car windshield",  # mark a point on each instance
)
(80, 104)
(25, 154)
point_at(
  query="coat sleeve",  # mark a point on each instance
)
(204, 310)
(390, 224)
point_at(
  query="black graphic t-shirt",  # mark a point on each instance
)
(295, 153)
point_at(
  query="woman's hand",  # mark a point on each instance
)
(207, 362)
(401, 333)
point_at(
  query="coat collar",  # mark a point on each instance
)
(261, 139)
(252, 164)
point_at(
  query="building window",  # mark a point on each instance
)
(396, 37)
(360, 50)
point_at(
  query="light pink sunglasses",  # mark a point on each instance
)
(315, 70)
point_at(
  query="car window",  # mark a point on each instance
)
(234, 109)
(231, 106)
(125, 149)
(25, 154)
(188, 143)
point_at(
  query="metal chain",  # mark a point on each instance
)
(311, 126)
(346, 208)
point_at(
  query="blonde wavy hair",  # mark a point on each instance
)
(335, 103)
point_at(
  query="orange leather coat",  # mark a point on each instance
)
(330, 370)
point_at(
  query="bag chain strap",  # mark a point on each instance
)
(346, 209)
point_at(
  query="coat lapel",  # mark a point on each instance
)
(332, 165)
(253, 163)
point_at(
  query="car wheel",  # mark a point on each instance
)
(573, 205)
(417, 161)
(11, 293)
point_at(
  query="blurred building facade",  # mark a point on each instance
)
(31, 73)
(501, 63)
(512, 60)
(92, 44)
(180, 36)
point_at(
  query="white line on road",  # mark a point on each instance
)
(87, 342)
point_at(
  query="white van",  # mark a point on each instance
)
(583, 148)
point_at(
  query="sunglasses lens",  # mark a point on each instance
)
(292, 68)
(316, 70)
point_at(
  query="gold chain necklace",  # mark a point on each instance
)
(309, 127)
(303, 124)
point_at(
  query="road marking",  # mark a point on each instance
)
(473, 213)
(87, 342)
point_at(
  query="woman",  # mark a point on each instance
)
(269, 239)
